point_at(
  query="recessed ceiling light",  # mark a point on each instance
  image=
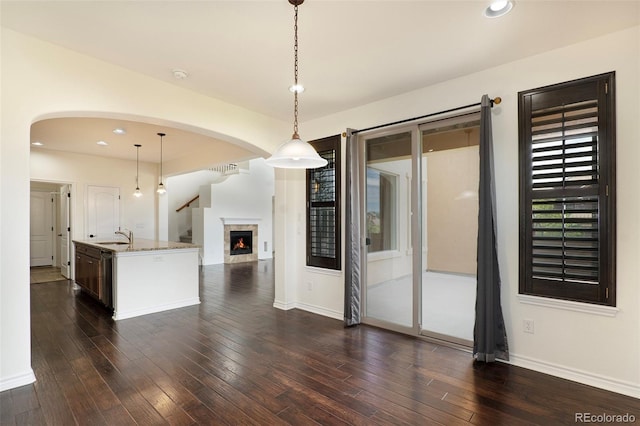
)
(37, 143)
(102, 143)
(119, 131)
(498, 8)
(180, 74)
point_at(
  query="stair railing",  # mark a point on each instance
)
(185, 205)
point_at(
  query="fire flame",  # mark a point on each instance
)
(240, 244)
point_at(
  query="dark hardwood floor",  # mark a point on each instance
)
(235, 359)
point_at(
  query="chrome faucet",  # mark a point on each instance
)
(129, 236)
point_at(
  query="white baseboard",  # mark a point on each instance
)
(309, 308)
(586, 378)
(17, 380)
(285, 306)
(320, 311)
(119, 315)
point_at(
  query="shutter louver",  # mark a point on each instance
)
(567, 190)
(564, 143)
(323, 207)
(565, 239)
(322, 212)
(564, 201)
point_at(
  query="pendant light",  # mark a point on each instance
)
(137, 192)
(296, 153)
(161, 190)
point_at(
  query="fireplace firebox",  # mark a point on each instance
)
(241, 242)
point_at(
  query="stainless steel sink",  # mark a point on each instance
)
(110, 243)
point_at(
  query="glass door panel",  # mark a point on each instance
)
(450, 169)
(389, 285)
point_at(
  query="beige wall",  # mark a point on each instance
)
(452, 210)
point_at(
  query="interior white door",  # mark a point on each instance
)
(65, 231)
(41, 229)
(103, 212)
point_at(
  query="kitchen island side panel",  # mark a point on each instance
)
(146, 282)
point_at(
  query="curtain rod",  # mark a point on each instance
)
(495, 100)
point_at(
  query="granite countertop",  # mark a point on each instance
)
(118, 245)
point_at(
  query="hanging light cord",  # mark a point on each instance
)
(137, 166)
(161, 136)
(295, 73)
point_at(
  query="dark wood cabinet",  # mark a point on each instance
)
(89, 270)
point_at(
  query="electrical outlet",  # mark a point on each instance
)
(527, 326)
(309, 286)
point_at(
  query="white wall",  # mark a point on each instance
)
(136, 214)
(290, 250)
(184, 188)
(40, 80)
(243, 195)
(594, 349)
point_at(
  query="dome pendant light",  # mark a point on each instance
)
(137, 192)
(161, 190)
(296, 153)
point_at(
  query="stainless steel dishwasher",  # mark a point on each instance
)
(106, 278)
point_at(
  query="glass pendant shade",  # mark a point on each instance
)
(137, 193)
(296, 154)
(161, 190)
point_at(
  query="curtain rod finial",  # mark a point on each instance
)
(496, 100)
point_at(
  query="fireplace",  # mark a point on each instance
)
(240, 242)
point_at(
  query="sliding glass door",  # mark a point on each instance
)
(390, 287)
(449, 189)
(421, 190)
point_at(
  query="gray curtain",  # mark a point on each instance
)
(352, 234)
(489, 334)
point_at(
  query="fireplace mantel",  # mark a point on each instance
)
(240, 220)
(240, 224)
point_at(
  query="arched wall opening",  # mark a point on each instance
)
(42, 81)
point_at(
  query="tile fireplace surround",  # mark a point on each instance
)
(239, 258)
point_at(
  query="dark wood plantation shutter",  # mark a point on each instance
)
(567, 176)
(323, 207)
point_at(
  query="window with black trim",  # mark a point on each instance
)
(323, 206)
(567, 190)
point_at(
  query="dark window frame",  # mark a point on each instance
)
(327, 147)
(567, 200)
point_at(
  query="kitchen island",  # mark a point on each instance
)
(141, 277)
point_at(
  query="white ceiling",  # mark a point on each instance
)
(80, 135)
(351, 52)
